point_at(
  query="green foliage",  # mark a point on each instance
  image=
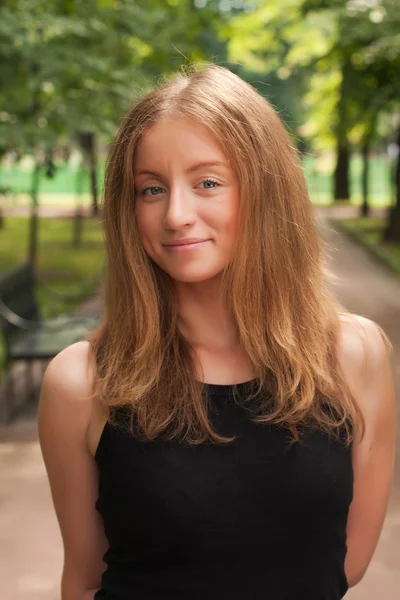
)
(72, 67)
(65, 68)
(69, 67)
(344, 54)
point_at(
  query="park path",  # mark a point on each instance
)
(30, 543)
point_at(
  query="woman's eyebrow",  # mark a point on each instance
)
(148, 172)
(210, 163)
(191, 169)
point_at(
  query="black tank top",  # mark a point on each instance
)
(257, 519)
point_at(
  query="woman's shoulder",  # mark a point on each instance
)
(364, 358)
(66, 400)
(362, 344)
(78, 355)
(73, 369)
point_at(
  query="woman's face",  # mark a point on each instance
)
(186, 200)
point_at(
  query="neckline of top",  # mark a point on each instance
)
(217, 389)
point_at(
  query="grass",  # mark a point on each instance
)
(61, 266)
(59, 263)
(318, 173)
(368, 232)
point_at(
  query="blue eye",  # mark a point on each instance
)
(152, 191)
(209, 184)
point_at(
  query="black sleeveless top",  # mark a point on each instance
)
(257, 519)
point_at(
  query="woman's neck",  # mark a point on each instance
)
(204, 318)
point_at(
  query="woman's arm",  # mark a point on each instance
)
(364, 359)
(64, 415)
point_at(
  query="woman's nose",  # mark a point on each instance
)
(180, 210)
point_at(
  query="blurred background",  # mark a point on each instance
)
(69, 70)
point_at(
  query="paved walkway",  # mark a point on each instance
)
(30, 544)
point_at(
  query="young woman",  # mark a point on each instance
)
(228, 431)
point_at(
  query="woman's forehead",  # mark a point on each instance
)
(183, 140)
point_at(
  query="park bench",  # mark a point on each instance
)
(27, 337)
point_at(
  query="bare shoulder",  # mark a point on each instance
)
(362, 342)
(364, 357)
(73, 368)
(361, 339)
(67, 389)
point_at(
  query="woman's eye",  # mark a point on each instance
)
(152, 191)
(209, 184)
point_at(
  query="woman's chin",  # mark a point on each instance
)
(194, 277)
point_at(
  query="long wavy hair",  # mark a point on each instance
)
(276, 288)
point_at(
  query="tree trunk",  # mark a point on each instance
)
(2, 197)
(88, 143)
(392, 231)
(34, 220)
(365, 207)
(341, 176)
(93, 183)
(78, 218)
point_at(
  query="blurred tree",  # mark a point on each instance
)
(392, 231)
(23, 125)
(362, 92)
(345, 50)
(382, 59)
(188, 31)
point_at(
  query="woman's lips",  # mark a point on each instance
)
(185, 247)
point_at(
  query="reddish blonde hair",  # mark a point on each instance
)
(287, 320)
